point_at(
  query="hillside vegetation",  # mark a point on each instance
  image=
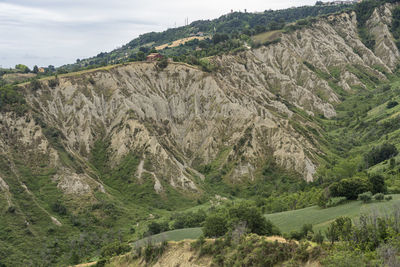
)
(94, 160)
(235, 27)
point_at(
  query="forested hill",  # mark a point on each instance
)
(233, 24)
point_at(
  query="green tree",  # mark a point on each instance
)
(344, 228)
(59, 208)
(379, 154)
(323, 199)
(215, 225)
(341, 228)
(140, 56)
(332, 233)
(22, 68)
(162, 63)
(157, 227)
(378, 184)
(318, 238)
(255, 221)
(350, 188)
(35, 69)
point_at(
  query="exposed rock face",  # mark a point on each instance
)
(179, 118)
(379, 25)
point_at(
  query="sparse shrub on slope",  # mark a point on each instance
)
(11, 99)
(395, 28)
(364, 11)
(114, 249)
(253, 250)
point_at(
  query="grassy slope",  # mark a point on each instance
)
(320, 218)
(363, 122)
(174, 235)
(266, 37)
(293, 220)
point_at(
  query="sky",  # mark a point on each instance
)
(57, 32)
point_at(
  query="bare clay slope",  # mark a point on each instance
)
(253, 107)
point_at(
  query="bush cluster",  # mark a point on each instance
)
(225, 219)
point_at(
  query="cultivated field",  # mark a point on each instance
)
(293, 220)
(321, 218)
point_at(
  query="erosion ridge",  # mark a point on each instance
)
(181, 118)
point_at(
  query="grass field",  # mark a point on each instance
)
(174, 235)
(292, 220)
(266, 36)
(320, 218)
(180, 42)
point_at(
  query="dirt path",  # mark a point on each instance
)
(85, 264)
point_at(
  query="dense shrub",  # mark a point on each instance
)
(12, 100)
(162, 63)
(157, 227)
(344, 258)
(378, 184)
(365, 197)
(254, 219)
(53, 82)
(379, 154)
(253, 250)
(350, 188)
(379, 196)
(35, 85)
(115, 249)
(335, 201)
(59, 208)
(152, 252)
(306, 231)
(215, 225)
(391, 104)
(222, 220)
(341, 229)
(188, 219)
(318, 238)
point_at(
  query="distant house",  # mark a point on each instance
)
(154, 57)
(41, 70)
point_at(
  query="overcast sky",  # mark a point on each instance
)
(57, 32)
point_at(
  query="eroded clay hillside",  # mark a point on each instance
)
(256, 106)
(96, 155)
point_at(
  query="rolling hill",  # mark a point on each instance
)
(93, 157)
